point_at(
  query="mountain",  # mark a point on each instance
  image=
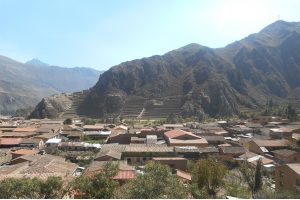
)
(24, 85)
(196, 80)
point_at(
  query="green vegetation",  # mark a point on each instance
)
(283, 110)
(208, 175)
(253, 177)
(12, 188)
(99, 186)
(88, 139)
(156, 182)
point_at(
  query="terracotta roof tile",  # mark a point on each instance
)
(125, 175)
(10, 141)
(25, 129)
(25, 152)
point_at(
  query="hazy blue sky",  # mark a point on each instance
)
(100, 34)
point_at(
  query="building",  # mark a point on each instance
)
(288, 177)
(281, 133)
(265, 146)
(230, 152)
(39, 166)
(109, 155)
(179, 137)
(172, 162)
(10, 142)
(286, 156)
(22, 152)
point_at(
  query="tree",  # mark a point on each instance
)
(291, 112)
(258, 176)
(253, 177)
(31, 188)
(100, 186)
(208, 174)
(156, 182)
(52, 188)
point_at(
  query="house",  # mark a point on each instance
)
(93, 127)
(286, 156)
(151, 131)
(124, 174)
(140, 153)
(172, 162)
(24, 158)
(281, 133)
(178, 137)
(103, 134)
(39, 166)
(96, 166)
(120, 136)
(187, 152)
(253, 158)
(230, 152)
(288, 177)
(265, 146)
(214, 139)
(22, 152)
(108, 155)
(10, 142)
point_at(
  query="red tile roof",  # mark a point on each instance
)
(25, 152)
(125, 175)
(25, 129)
(178, 132)
(183, 175)
(10, 141)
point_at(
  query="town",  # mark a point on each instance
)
(72, 149)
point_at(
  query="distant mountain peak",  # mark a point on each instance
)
(36, 62)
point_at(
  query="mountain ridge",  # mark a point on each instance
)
(206, 81)
(24, 85)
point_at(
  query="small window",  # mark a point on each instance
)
(129, 160)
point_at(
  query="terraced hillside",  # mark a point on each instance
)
(76, 99)
(133, 107)
(162, 108)
(59, 106)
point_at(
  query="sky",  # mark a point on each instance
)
(104, 33)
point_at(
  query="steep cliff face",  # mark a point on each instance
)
(202, 80)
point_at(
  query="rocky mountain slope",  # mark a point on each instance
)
(196, 80)
(24, 85)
